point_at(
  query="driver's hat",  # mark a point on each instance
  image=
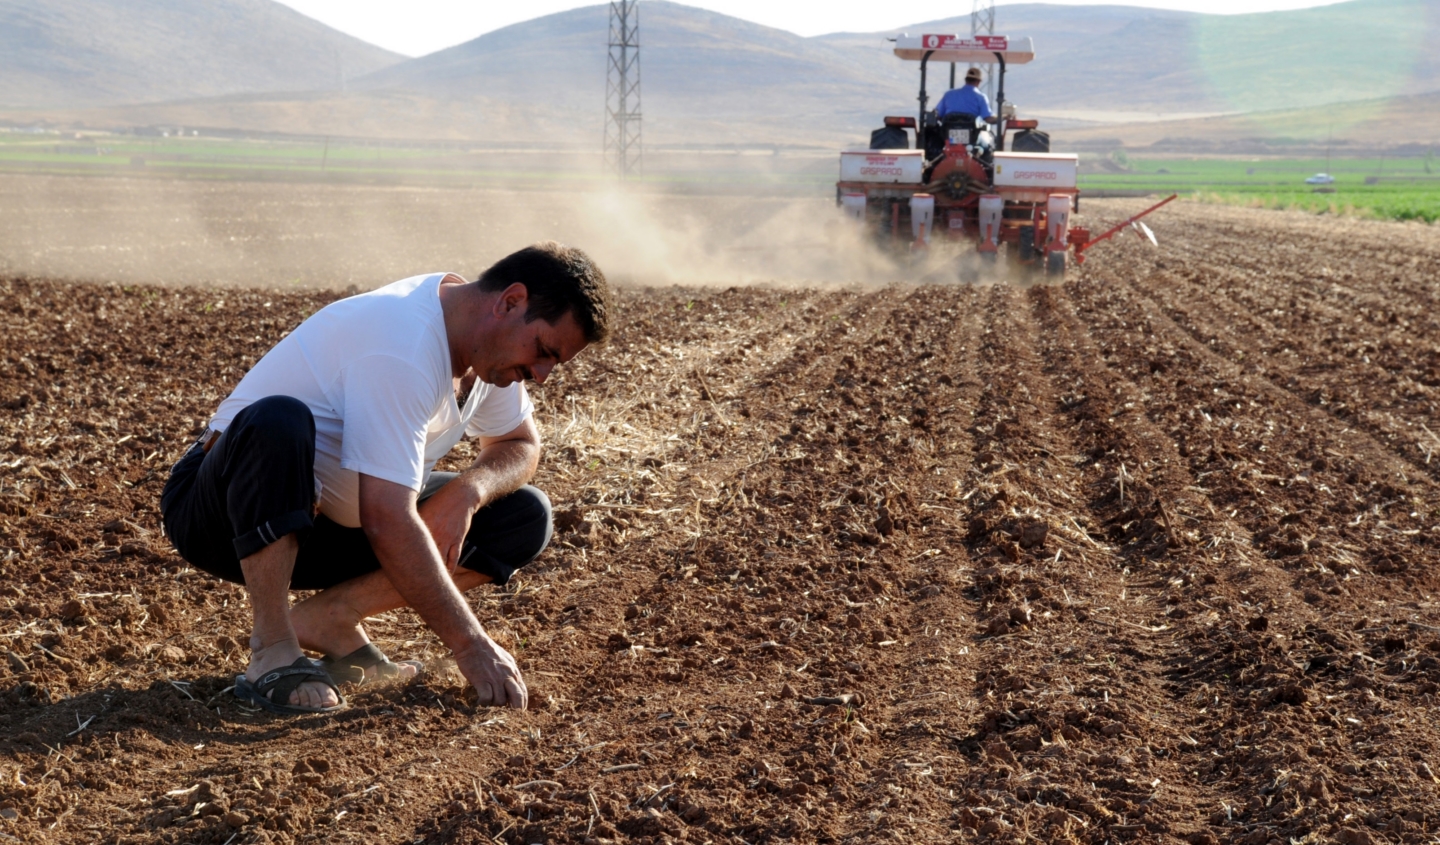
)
(973, 74)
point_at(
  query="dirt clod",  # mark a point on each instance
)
(170, 655)
(73, 610)
(1033, 534)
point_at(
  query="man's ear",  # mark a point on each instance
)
(515, 296)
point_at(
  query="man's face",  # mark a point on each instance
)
(519, 350)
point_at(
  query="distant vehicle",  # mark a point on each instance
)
(959, 182)
(1321, 179)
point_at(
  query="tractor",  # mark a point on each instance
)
(959, 183)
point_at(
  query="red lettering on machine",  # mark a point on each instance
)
(955, 42)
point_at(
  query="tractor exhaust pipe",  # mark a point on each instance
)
(924, 100)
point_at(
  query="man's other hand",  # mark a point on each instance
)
(504, 464)
(447, 515)
(494, 674)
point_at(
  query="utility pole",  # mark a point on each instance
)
(622, 91)
(982, 22)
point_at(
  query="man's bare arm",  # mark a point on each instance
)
(504, 465)
(412, 562)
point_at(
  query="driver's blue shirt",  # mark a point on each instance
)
(966, 100)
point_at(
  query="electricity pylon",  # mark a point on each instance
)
(622, 91)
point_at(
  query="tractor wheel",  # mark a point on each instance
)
(1055, 265)
(1027, 245)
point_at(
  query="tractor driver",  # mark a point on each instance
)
(967, 99)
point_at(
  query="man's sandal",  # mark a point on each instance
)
(272, 691)
(367, 660)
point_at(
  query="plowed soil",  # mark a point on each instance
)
(1145, 557)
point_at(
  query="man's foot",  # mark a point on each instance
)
(314, 695)
(325, 623)
(369, 663)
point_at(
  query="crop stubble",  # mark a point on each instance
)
(1144, 557)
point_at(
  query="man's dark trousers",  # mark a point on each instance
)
(257, 483)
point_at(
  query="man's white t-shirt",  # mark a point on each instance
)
(375, 371)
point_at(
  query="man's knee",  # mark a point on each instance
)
(277, 418)
(508, 533)
(536, 516)
(263, 468)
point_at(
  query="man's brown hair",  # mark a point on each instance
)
(558, 280)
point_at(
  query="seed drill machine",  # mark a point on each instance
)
(959, 182)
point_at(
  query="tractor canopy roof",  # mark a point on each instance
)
(964, 49)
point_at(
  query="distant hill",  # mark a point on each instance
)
(710, 76)
(707, 76)
(68, 53)
(1129, 59)
(714, 79)
(1112, 58)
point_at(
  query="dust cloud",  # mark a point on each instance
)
(139, 230)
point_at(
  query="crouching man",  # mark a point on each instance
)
(315, 473)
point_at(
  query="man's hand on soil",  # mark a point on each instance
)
(494, 674)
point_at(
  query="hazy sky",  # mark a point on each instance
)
(417, 27)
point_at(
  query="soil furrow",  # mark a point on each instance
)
(1398, 411)
(783, 483)
(1196, 602)
(1175, 562)
(1348, 402)
(1242, 662)
(1034, 608)
(1390, 265)
(1259, 454)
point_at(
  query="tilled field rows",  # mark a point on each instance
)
(1146, 557)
